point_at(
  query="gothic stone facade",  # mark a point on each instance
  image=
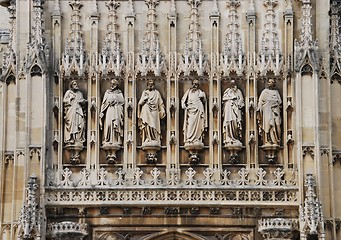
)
(190, 119)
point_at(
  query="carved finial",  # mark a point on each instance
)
(151, 59)
(335, 38)
(270, 56)
(56, 8)
(131, 11)
(215, 10)
(172, 9)
(9, 57)
(289, 5)
(95, 9)
(311, 217)
(30, 218)
(112, 59)
(251, 6)
(194, 58)
(74, 58)
(36, 48)
(306, 48)
(232, 58)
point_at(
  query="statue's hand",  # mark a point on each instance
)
(101, 115)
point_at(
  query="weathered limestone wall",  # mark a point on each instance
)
(33, 124)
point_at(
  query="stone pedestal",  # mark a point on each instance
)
(150, 149)
(67, 230)
(270, 152)
(111, 150)
(75, 150)
(276, 228)
(194, 149)
(233, 149)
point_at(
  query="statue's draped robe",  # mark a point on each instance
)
(269, 116)
(150, 113)
(112, 121)
(232, 123)
(74, 119)
(195, 117)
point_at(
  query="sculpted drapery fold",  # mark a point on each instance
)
(269, 114)
(111, 115)
(74, 127)
(232, 115)
(195, 117)
(151, 110)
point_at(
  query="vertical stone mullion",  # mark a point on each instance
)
(2, 147)
(288, 88)
(57, 90)
(93, 97)
(173, 97)
(214, 98)
(130, 95)
(251, 88)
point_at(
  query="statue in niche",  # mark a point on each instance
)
(111, 115)
(195, 120)
(74, 118)
(111, 120)
(233, 101)
(151, 110)
(269, 120)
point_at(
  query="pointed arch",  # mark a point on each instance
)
(10, 77)
(307, 69)
(35, 70)
(173, 235)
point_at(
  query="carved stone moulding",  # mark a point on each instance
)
(67, 230)
(271, 152)
(74, 150)
(111, 150)
(194, 149)
(151, 149)
(233, 149)
(277, 228)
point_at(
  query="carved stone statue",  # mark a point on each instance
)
(195, 119)
(111, 120)
(269, 114)
(150, 111)
(233, 101)
(74, 118)
(111, 115)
